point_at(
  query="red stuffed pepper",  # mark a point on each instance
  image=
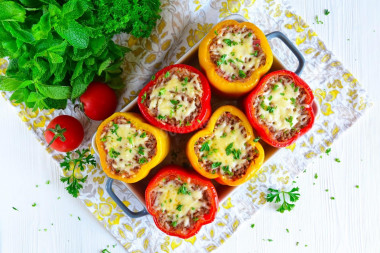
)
(280, 108)
(177, 99)
(181, 202)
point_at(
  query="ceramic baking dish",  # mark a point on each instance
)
(178, 141)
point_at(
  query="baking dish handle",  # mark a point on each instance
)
(121, 204)
(292, 47)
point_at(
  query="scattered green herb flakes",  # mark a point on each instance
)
(199, 121)
(242, 74)
(195, 218)
(183, 189)
(297, 243)
(205, 146)
(174, 223)
(222, 60)
(36, 185)
(230, 42)
(252, 225)
(79, 159)
(294, 101)
(161, 91)
(216, 33)
(315, 175)
(48, 182)
(14, 208)
(34, 204)
(59, 198)
(328, 151)
(113, 153)
(317, 20)
(167, 74)
(289, 120)
(143, 97)
(179, 207)
(270, 240)
(256, 139)
(337, 160)
(153, 78)
(275, 87)
(332, 198)
(160, 117)
(105, 251)
(275, 195)
(326, 190)
(326, 12)
(357, 186)
(78, 218)
(143, 160)
(216, 165)
(287, 230)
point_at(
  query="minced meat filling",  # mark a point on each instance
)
(176, 97)
(281, 107)
(236, 53)
(180, 204)
(127, 147)
(226, 151)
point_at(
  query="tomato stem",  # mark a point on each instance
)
(58, 133)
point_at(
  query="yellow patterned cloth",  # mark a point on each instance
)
(184, 22)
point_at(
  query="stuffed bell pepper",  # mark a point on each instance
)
(129, 148)
(181, 202)
(226, 149)
(234, 56)
(280, 108)
(177, 99)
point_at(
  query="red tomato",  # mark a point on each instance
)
(99, 101)
(64, 133)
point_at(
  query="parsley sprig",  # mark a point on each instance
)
(72, 162)
(275, 195)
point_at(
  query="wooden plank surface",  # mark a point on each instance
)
(350, 223)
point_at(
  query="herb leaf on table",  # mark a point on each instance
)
(72, 162)
(278, 195)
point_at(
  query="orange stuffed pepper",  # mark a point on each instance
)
(129, 148)
(226, 150)
(234, 56)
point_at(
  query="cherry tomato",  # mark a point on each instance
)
(99, 101)
(64, 133)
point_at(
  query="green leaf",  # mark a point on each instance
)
(97, 45)
(78, 70)
(17, 32)
(74, 9)
(55, 58)
(12, 11)
(54, 92)
(56, 103)
(104, 65)
(42, 29)
(75, 33)
(20, 95)
(9, 84)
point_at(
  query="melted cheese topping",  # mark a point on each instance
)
(177, 205)
(175, 98)
(227, 147)
(284, 101)
(238, 53)
(123, 143)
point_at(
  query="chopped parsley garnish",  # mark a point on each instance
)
(296, 89)
(256, 53)
(104, 139)
(317, 20)
(270, 97)
(161, 117)
(222, 60)
(153, 77)
(236, 153)
(287, 230)
(230, 42)
(179, 207)
(205, 146)
(141, 150)
(328, 151)
(327, 12)
(231, 60)
(115, 128)
(161, 91)
(270, 109)
(289, 120)
(130, 140)
(229, 148)
(256, 139)
(275, 87)
(174, 102)
(357, 186)
(293, 101)
(274, 195)
(183, 189)
(195, 218)
(113, 153)
(252, 225)
(142, 160)
(262, 105)
(315, 175)
(282, 94)
(14, 208)
(34, 204)
(143, 135)
(249, 34)
(226, 170)
(143, 97)
(185, 81)
(216, 33)
(238, 60)
(224, 135)
(216, 165)
(332, 198)
(242, 74)
(167, 74)
(232, 53)
(233, 77)
(174, 223)
(337, 160)
(119, 139)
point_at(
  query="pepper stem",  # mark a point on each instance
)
(58, 133)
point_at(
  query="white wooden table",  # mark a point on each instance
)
(350, 223)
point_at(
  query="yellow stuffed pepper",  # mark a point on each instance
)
(226, 150)
(129, 148)
(235, 56)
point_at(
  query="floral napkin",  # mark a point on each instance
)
(184, 22)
